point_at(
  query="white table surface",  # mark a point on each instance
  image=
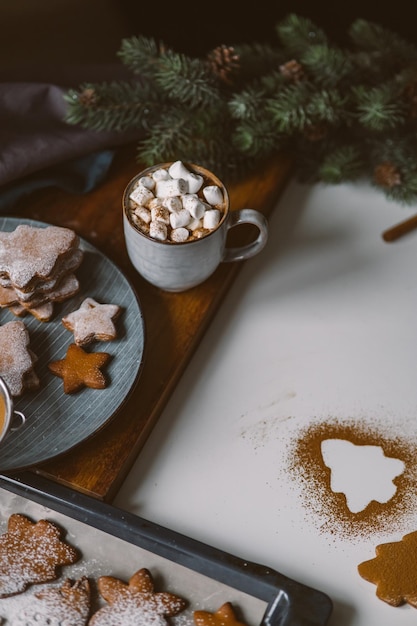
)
(320, 324)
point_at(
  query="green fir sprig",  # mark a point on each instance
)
(341, 113)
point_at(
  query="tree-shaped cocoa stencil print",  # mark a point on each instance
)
(394, 571)
(361, 472)
(355, 479)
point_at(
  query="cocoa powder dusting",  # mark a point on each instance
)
(329, 509)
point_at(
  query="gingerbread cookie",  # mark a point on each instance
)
(136, 602)
(67, 287)
(394, 571)
(16, 358)
(42, 312)
(68, 605)
(224, 616)
(80, 369)
(30, 254)
(92, 322)
(31, 553)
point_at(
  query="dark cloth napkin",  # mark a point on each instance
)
(38, 148)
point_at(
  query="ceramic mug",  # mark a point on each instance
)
(179, 266)
(10, 420)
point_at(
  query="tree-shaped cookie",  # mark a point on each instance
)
(394, 571)
(224, 616)
(28, 253)
(30, 553)
(16, 358)
(67, 605)
(135, 603)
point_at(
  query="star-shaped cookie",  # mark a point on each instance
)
(92, 322)
(224, 616)
(81, 369)
(136, 602)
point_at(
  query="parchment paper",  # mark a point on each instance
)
(104, 554)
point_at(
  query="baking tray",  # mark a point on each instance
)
(264, 596)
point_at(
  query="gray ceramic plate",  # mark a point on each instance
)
(56, 422)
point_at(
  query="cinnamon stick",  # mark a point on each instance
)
(398, 230)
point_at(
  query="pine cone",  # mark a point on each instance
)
(293, 70)
(87, 97)
(222, 62)
(387, 175)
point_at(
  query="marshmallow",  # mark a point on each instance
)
(158, 230)
(160, 214)
(180, 218)
(194, 224)
(195, 182)
(187, 199)
(161, 174)
(171, 187)
(143, 213)
(213, 194)
(211, 219)
(172, 204)
(179, 235)
(141, 195)
(155, 203)
(178, 170)
(196, 207)
(147, 182)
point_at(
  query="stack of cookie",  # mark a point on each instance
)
(37, 268)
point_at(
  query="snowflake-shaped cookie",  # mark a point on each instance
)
(67, 605)
(92, 322)
(224, 616)
(136, 602)
(30, 553)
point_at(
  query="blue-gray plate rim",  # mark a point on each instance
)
(57, 422)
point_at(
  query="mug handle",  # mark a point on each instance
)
(18, 420)
(246, 216)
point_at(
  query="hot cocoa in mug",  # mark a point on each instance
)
(176, 217)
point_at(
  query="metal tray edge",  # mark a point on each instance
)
(290, 603)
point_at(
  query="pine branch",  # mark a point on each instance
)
(341, 112)
(379, 109)
(297, 34)
(116, 106)
(141, 54)
(186, 80)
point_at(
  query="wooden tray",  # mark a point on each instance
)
(174, 323)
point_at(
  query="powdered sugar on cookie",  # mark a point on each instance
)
(31, 553)
(92, 322)
(135, 603)
(16, 358)
(29, 254)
